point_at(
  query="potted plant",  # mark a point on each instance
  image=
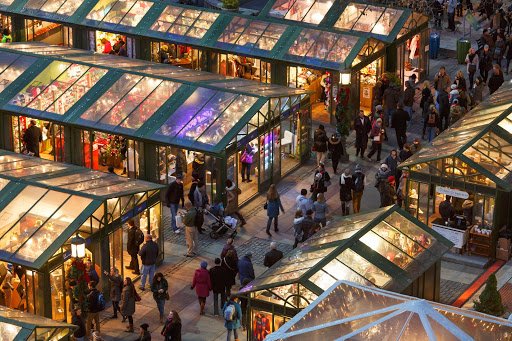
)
(231, 4)
(489, 301)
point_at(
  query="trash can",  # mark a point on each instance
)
(463, 46)
(435, 43)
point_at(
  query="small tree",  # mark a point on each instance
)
(489, 301)
(231, 4)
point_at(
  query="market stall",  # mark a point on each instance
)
(461, 184)
(386, 248)
(16, 325)
(152, 121)
(348, 311)
(43, 205)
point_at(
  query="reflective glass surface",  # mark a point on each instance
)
(368, 18)
(63, 7)
(310, 11)
(184, 22)
(252, 34)
(123, 12)
(11, 67)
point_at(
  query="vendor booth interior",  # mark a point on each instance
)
(323, 46)
(386, 248)
(43, 206)
(349, 311)
(17, 325)
(152, 121)
(461, 184)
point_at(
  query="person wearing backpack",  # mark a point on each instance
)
(95, 303)
(358, 189)
(135, 240)
(232, 317)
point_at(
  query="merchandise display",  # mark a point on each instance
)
(119, 12)
(184, 22)
(62, 7)
(310, 11)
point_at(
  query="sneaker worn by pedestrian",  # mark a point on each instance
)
(177, 231)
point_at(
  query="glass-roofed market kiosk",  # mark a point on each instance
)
(43, 204)
(303, 44)
(151, 121)
(386, 248)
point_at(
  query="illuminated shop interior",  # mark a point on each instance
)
(386, 248)
(152, 121)
(472, 162)
(373, 313)
(43, 204)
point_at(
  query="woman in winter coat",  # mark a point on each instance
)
(376, 134)
(320, 144)
(297, 228)
(478, 91)
(116, 285)
(357, 192)
(432, 123)
(128, 302)
(232, 193)
(202, 284)
(159, 288)
(172, 328)
(460, 81)
(230, 266)
(247, 159)
(320, 181)
(336, 149)
(320, 209)
(273, 205)
(346, 187)
(472, 66)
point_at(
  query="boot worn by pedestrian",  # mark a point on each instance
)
(129, 329)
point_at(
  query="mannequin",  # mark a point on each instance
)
(414, 47)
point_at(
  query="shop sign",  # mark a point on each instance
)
(452, 192)
(142, 207)
(126, 216)
(243, 141)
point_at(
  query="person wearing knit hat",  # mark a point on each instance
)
(202, 284)
(387, 192)
(144, 334)
(357, 192)
(391, 179)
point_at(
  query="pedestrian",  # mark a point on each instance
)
(416, 146)
(438, 10)
(456, 112)
(245, 268)
(128, 296)
(273, 205)
(460, 81)
(433, 122)
(458, 8)
(232, 317)
(76, 319)
(499, 50)
(6, 36)
(201, 202)
(508, 54)
(379, 113)
(229, 246)
(405, 153)
(399, 122)
(426, 100)
(320, 209)
(472, 65)
(453, 94)
(450, 9)
(408, 99)
(336, 150)
(172, 328)
(218, 282)
(485, 60)
(402, 185)
(148, 255)
(321, 181)
(133, 243)
(391, 98)
(273, 256)
(144, 334)
(232, 193)
(376, 135)
(199, 167)
(91, 272)
(247, 158)
(309, 227)
(346, 187)
(478, 91)
(442, 80)
(94, 306)
(297, 228)
(496, 79)
(358, 189)
(191, 231)
(173, 196)
(387, 192)
(160, 288)
(229, 264)
(392, 162)
(320, 144)
(116, 285)
(202, 284)
(444, 109)
(192, 190)
(32, 138)
(303, 202)
(362, 126)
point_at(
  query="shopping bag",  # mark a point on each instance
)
(179, 221)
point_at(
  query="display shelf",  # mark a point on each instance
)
(479, 244)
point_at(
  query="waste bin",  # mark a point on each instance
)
(463, 46)
(435, 43)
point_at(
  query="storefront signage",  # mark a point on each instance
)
(66, 255)
(142, 207)
(457, 237)
(452, 192)
(243, 141)
(126, 216)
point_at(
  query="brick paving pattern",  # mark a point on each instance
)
(259, 247)
(506, 295)
(451, 290)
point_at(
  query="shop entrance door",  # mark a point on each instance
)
(119, 256)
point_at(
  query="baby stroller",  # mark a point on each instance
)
(221, 225)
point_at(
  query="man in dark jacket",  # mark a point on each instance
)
(320, 144)
(362, 126)
(496, 79)
(149, 255)
(273, 256)
(308, 225)
(391, 97)
(32, 137)
(135, 239)
(446, 209)
(408, 98)
(173, 197)
(94, 309)
(444, 108)
(485, 62)
(78, 321)
(218, 280)
(399, 122)
(245, 268)
(387, 192)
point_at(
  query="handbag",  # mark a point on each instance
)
(471, 68)
(136, 296)
(265, 206)
(376, 138)
(167, 298)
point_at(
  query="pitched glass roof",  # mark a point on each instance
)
(110, 13)
(378, 20)
(12, 66)
(372, 313)
(309, 11)
(60, 7)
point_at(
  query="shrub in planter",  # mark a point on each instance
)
(489, 301)
(231, 4)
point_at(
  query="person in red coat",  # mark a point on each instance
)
(202, 284)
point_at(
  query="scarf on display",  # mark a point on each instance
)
(343, 177)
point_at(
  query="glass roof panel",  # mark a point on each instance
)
(410, 229)
(53, 228)
(40, 169)
(63, 7)
(184, 22)
(101, 9)
(12, 71)
(136, 13)
(387, 21)
(150, 105)
(3, 183)
(111, 97)
(227, 120)
(363, 267)
(18, 164)
(349, 16)
(118, 11)
(73, 179)
(9, 331)
(301, 10)
(234, 30)
(6, 2)
(303, 43)
(368, 19)
(506, 123)
(131, 186)
(94, 183)
(386, 250)
(202, 25)
(318, 11)
(166, 19)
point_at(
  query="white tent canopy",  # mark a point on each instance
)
(348, 311)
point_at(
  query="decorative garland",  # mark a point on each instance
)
(78, 279)
(343, 111)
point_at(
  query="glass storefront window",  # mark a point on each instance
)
(58, 294)
(49, 32)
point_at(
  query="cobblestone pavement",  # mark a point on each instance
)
(258, 247)
(451, 290)
(506, 295)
